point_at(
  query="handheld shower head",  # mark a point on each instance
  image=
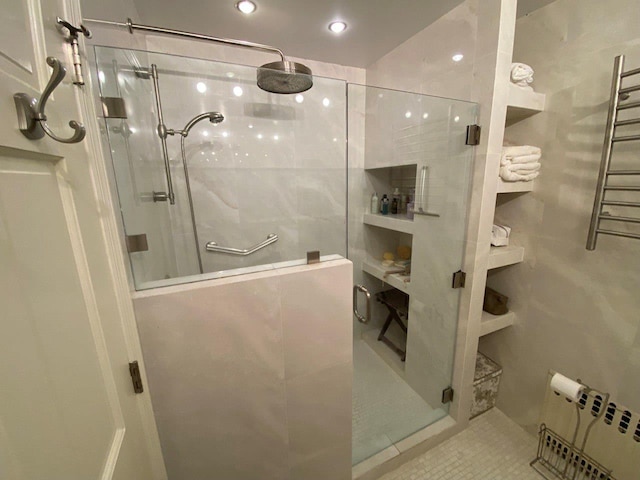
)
(213, 117)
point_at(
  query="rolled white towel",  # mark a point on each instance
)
(520, 159)
(517, 150)
(523, 167)
(521, 74)
(509, 176)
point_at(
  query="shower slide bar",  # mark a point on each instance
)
(618, 94)
(214, 247)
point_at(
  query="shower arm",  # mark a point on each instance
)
(197, 36)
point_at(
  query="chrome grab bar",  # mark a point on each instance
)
(363, 289)
(214, 247)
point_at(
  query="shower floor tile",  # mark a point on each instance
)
(493, 447)
(385, 408)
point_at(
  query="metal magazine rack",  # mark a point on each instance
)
(560, 458)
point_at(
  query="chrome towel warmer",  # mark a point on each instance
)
(618, 94)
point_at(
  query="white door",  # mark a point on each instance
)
(67, 332)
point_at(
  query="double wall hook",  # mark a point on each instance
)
(32, 120)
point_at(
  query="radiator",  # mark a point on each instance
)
(612, 450)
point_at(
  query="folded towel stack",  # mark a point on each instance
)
(522, 75)
(520, 164)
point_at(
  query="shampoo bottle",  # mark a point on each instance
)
(374, 203)
(384, 205)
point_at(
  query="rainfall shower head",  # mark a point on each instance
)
(276, 77)
(213, 117)
(284, 77)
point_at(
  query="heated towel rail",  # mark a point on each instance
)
(618, 94)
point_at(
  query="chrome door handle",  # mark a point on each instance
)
(422, 192)
(363, 289)
(214, 247)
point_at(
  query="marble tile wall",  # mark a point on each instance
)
(577, 311)
(423, 64)
(483, 33)
(251, 376)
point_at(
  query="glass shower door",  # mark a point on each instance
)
(259, 178)
(411, 148)
(155, 250)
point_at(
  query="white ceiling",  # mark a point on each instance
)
(299, 27)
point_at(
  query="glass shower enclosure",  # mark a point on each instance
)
(411, 148)
(260, 179)
(261, 184)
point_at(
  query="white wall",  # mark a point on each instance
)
(577, 311)
(251, 376)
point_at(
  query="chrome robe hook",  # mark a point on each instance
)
(32, 120)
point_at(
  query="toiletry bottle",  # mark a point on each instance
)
(374, 203)
(410, 208)
(384, 205)
(396, 200)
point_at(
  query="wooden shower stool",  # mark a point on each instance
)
(398, 305)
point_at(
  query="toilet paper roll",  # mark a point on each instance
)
(566, 387)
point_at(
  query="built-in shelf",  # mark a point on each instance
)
(514, 187)
(522, 103)
(492, 323)
(399, 222)
(503, 256)
(396, 280)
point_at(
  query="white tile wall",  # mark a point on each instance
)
(577, 310)
(235, 392)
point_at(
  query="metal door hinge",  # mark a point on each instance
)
(459, 279)
(113, 107)
(134, 370)
(473, 135)
(447, 395)
(137, 243)
(313, 257)
(72, 38)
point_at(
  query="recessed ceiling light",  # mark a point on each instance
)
(326, 102)
(407, 114)
(237, 91)
(337, 27)
(299, 98)
(425, 115)
(246, 6)
(457, 119)
(457, 57)
(201, 87)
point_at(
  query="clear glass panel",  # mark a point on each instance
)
(413, 145)
(275, 165)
